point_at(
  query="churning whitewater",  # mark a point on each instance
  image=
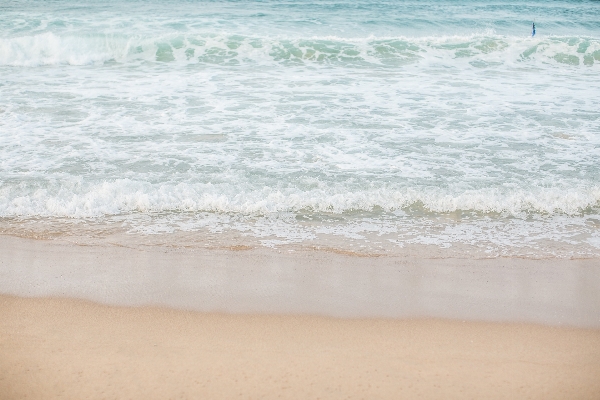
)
(371, 124)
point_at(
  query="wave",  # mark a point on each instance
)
(127, 196)
(481, 50)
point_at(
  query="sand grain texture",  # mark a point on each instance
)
(70, 349)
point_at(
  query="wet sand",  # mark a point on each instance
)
(151, 322)
(271, 281)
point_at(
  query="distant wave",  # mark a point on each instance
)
(479, 50)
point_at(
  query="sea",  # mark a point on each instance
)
(367, 127)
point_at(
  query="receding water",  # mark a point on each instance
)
(361, 124)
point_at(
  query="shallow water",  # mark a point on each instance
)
(368, 125)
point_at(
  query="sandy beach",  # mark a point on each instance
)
(324, 199)
(112, 321)
(57, 348)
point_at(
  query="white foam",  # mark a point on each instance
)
(127, 196)
(51, 49)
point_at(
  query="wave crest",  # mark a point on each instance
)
(478, 50)
(126, 196)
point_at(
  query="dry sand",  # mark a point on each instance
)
(72, 349)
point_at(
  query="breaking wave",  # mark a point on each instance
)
(477, 50)
(126, 196)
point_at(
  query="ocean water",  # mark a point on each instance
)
(364, 126)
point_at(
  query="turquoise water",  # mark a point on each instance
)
(359, 124)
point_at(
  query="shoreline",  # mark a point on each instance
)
(444, 240)
(72, 349)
